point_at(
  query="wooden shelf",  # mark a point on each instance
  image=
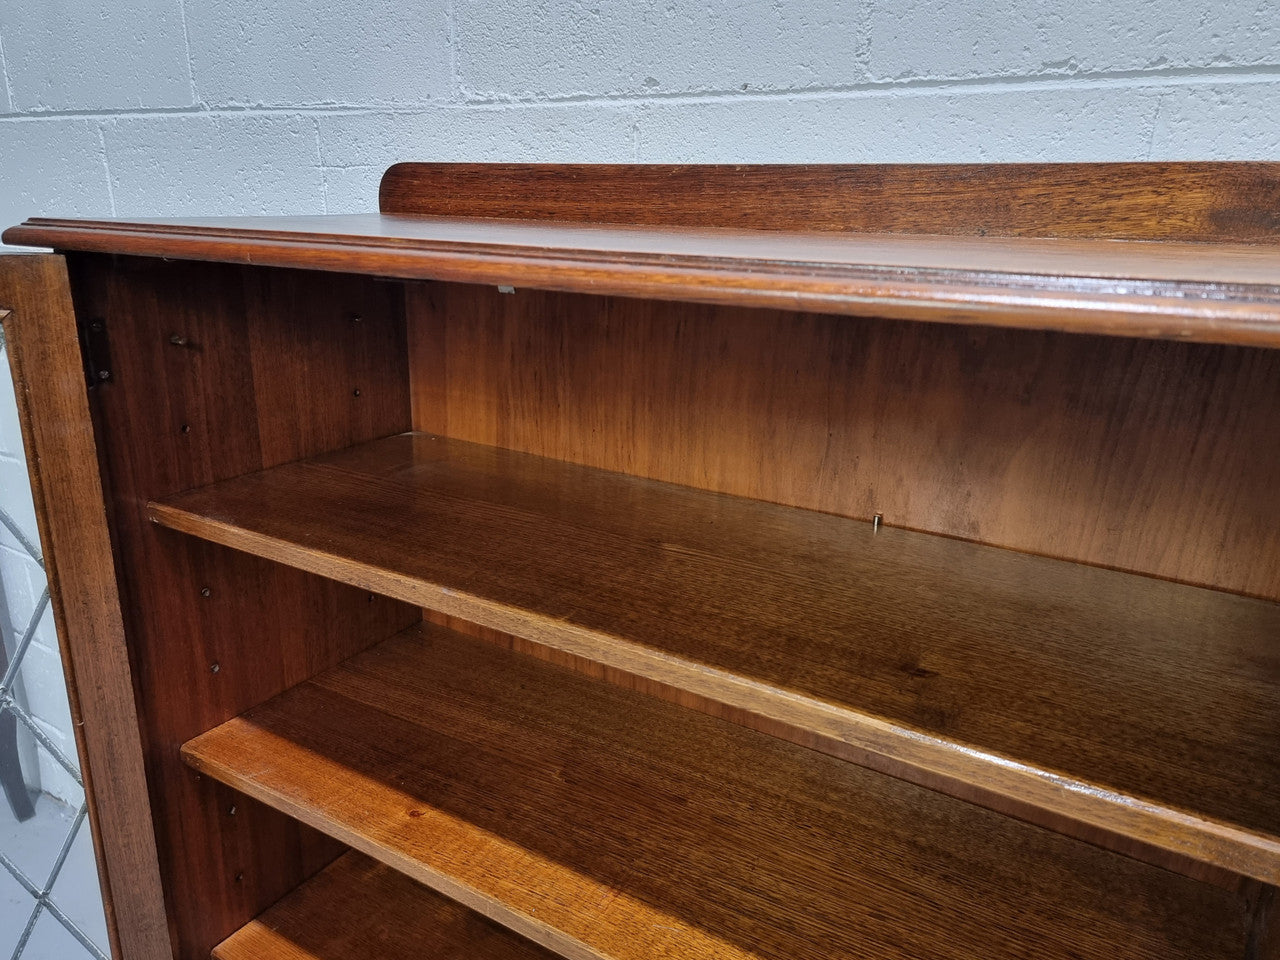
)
(599, 822)
(359, 909)
(1215, 292)
(1055, 690)
(576, 712)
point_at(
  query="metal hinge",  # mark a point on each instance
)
(94, 351)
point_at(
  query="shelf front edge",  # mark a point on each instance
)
(1039, 795)
(1113, 307)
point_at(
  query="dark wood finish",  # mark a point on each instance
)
(1227, 292)
(1263, 939)
(602, 823)
(685, 324)
(54, 414)
(1152, 457)
(1122, 201)
(1059, 685)
(218, 370)
(358, 909)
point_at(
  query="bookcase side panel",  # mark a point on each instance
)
(217, 371)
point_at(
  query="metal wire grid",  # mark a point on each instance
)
(41, 894)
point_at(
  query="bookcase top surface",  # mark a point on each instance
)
(1176, 251)
(1228, 292)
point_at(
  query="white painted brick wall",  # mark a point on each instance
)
(167, 107)
(171, 107)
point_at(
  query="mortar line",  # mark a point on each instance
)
(455, 85)
(186, 41)
(1121, 79)
(1130, 79)
(324, 171)
(1155, 125)
(106, 167)
(8, 85)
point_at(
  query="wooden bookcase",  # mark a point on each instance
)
(694, 562)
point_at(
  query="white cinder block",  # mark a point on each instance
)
(95, 54)
(214, 164)
(357, 148)
(46, 694)
(1112, 123)
(548, 49)
(10, 428)
(552, 132)
(352, 189)
(298, 52)
(980, 38)
(15, 500)
(51, 167)
(1226, 122)
(20, 588)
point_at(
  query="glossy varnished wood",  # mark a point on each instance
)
(1127, 712)
(1224, 292)
(1060, 686)
(1127, 201)
(44, 352)
(602, 823)
(1152, 457)
(359, 909)
(218, 370)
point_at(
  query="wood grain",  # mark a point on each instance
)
(358, 909)
(601, 823)
(1216, 293)
(58, 435)
(1131, 201)
(1059, 685)
(219, 370)
(1157, 458)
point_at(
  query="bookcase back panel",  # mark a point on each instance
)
(216, 371)
(1153, 457)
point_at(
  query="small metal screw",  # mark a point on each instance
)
(104, 374)
(355, 393)
(205, 592)
(232, 811)
(215, 668)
